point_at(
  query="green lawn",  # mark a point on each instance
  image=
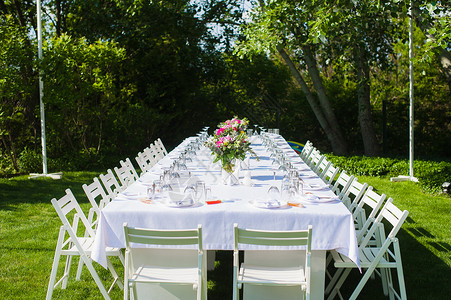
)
(29, 228)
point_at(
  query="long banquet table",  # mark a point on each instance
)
(333, 226)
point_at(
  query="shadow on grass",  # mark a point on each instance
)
(426, 275)
(220, 280)
(41, 190)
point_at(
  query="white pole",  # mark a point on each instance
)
(411, 135)
(41, 93)
(411, 144)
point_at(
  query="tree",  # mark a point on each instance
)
(282, 26)
(434, 20)
(18, 91)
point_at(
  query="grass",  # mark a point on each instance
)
(29, 228)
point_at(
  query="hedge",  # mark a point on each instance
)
(431, 174)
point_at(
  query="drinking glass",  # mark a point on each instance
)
(200, 189)
(207, 193)
(273, 193)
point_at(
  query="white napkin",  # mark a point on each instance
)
(247, 180)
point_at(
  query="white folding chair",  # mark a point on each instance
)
(353, 194)
(186, 267)
(146, 159)
(297, 274)
(111, 184)
(306, 150)
(366, 211)
(128, 163)
(74, 245)
(342, 184)
(329, 175)
(126, 173)
(315, 158)
(379, 260)
(160, 147)
(321, 167)
(96, 195)
(98, 199)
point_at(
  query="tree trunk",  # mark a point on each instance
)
(58, 17)
(323, 98)
(10, 152)
(334, 140)
(370, 143)
(445, 60)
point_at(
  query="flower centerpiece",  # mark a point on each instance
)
(230, 142)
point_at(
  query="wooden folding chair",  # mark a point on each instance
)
(352, 196)
(329, 175)
(380, 259)
(315, 159)
(159, 144)
(342, 184)
(74, 245)
(321, 168)
(308, 148)
(297, 274)
(146, 159)
(111, 184)
(184, 268)
(367, 209)
(126, 173)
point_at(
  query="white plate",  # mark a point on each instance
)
(182, 204)
(316, 199)
(128, 196)
(269, 204)
(316, 187)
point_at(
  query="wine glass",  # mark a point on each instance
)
(273, 193)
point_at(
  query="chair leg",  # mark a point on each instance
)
(134, 294)
(235, 275)
(55, 264)
(387, 282)
(96, 277)
(66, 271)
(362, 282)
(336, 288)
(333, 281)
(115, 276)
(79, 269)
(400, 273)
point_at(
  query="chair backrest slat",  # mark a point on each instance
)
(110, 183)
(273, 238)
(95, 192)
(148, 240)
(64, 206)
(342, 184)
(330, 174)
(163, 237)
(160, 146)
(126, 172)
(393, 215)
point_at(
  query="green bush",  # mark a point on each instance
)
(30, 161)
(6, 166)
(431, 174)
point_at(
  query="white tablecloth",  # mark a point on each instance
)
(333, 226)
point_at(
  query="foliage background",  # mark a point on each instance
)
(120, 73)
